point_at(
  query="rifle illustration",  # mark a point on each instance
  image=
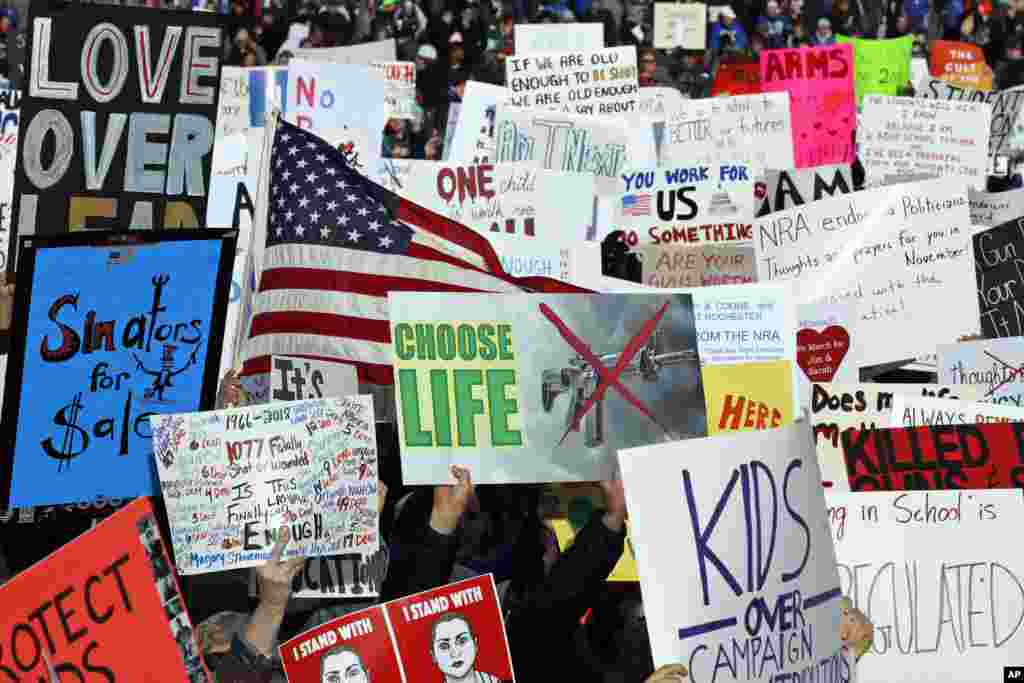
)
(580, 380)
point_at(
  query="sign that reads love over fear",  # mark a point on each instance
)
(126, 101)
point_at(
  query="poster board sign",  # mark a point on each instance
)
(587, 82)
(937, 544)
(567, 143)
(1006, 108)
(669, 266)
(353, 576)
(413, 638)
(657, 102)
(737, 78)
(912, 250)
(695, 608)
(997, 253)
(361, 53)
(570, 508)
(995, 208)
(837, 408)
(961, 64)
(247, 96)
(992, 363)
(827, 345)
(748, 396)
(108, 367)
(309, 465)
(882, 67)
(783, 189)
(898, 137)
(753, 128)
(399, 88)
(124, 560)
(925, 412)
(530, 38)
(686, 204)
(680, 25)
(299, 379)
(473, 138)
(10, 102)
(819, 81)
(124, 178)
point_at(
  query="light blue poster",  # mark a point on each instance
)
(112, 335)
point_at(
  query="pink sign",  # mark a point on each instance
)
(819, 81)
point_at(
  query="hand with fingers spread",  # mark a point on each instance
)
(450, 502)
(670, 673)
(275, 583)
(615, 504)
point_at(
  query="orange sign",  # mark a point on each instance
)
(737, 79)
(961, 64)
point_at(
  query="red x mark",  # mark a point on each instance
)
(1014, 373)
(609, 378)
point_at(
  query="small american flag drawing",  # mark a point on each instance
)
(636, 205)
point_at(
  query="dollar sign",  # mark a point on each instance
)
(67, 417)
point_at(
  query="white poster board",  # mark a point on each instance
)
(588, 82)
(399, 88)
(946, 600)
(901, 253)
(916, 411)
(298, 379)
(995, 208)
(993, 363)
(362, 53)
(903, 137)
(786, 188)
(743, 571)
(1006, 108)
(680, 25)
(473, 138)
(556, 37)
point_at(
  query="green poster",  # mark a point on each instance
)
(882, 66)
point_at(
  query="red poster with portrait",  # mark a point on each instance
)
(355, 648)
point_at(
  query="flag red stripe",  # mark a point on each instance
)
(367, 373)
(322, 324)
(425, 219)
(376, 284)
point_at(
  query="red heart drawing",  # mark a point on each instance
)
(820, 353)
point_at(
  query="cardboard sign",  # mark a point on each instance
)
(819, 81)
(298, 379)
(124, 178)
(454, 632)
(754, 128)
(722, 586)
(737, 78)
(680, 25)
(997, 254)
(838, 408)
(748, 396)
(683, 265)
(993, 363)
(784, 189)
(570, 508)
(116, 334)
(1006, 108)
(567, 143)
(922, 412)
(995, 208)
(946, 602)
(882, 67)
(246, 472)
(399, 88)
(530, 38)
(912, 250)
(473, 138)
(691, 204)
(589, 82)
(361, 53)
(110, 586)
(961, 64)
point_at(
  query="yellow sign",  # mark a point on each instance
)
(574, 506)
(748, 396)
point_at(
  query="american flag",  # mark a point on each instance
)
(337, 243)
(636, 205)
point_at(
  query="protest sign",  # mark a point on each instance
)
(946, 602)
(531, 38)
(247, 96)
(737, 78)
(997, 254)
(399, 88)
(355, 125)
(353, 575)
(882, 67)
(819, 81)
(913, 249)
(247, 472)
(704, 617)
(961, 64)
(899, 136)
(538, 420)
(360, 53)
(473, 139)
(107, 367)
(569, 508)
(754, 128)
(693, 204)
(668, 266)
(657, 102)
(784, 189)
(838, 408)
(825, 343)
(995, 208)
(118, 580)
(9, 111)
(918, 70)
(567, 143)
(126, 179)
(993, 363)
(680, 25)
(922, 412)
(748, 396)
(589, 82)
(454, 632)
(298, 379)
(1006, 107)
